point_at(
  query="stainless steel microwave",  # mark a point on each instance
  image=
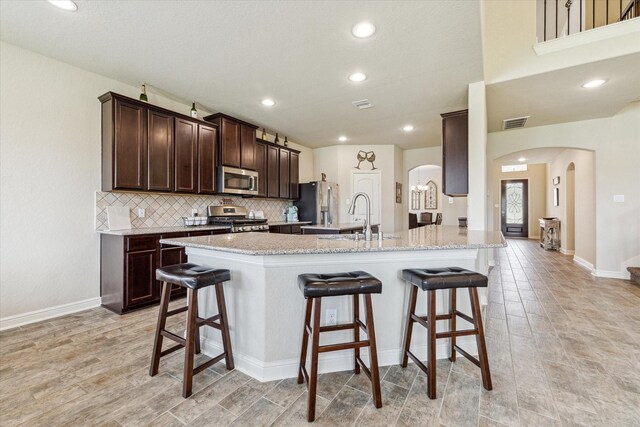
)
(237, 181)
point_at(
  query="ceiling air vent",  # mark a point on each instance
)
(517, 122)
(363, 104)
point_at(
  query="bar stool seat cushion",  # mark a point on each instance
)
(192, 276)
(335, 284)
(430, 279)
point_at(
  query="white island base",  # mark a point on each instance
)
(266, 308)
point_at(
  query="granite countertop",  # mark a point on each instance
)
(419, 239)
(339, 227)
(161, 230)
(276, 223)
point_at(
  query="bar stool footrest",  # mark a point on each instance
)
(209, 363)
(468, 356)
(418, 363)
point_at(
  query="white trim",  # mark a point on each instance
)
(569, 252)
(331, 362)
(624, 275)
(47, 313)
(617, 29)
(583, 263)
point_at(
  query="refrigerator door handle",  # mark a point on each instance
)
(329, 206)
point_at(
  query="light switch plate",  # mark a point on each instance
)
(141, 212)
(618, 198)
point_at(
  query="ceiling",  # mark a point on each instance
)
(558, 96)
(228, 55)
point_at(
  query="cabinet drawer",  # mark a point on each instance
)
(200, 233)
(295, 229)
(141, 243)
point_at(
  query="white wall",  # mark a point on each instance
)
(49, 172)
(338, 161)
(477, 196)
(616, 143)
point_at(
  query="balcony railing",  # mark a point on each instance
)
(559, 18)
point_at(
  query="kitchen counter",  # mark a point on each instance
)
(279, 223)
(162, 230)
(345, 226)
(419, 239)
(266, 308)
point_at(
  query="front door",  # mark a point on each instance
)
(515, 208)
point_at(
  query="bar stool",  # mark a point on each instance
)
(316, 286)
(192, 277)
(452, 278)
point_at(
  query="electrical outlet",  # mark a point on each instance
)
(194, 212)
(331, 316)
(141, 212)
(450, 200)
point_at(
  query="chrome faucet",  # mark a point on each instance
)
(367, 223)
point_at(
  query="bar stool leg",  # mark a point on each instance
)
(452, 323)
(408, 327)
(356, 332)
(373, 353)
(192, 329)
(482, 348)
(305, 340)
(162, 321)
(431, 344)
(198, 331)
(313, 376)
(224, 326)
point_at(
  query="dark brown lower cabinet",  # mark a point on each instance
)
(285, 229)
(128, 268)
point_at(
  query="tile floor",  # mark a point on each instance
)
(564, 349)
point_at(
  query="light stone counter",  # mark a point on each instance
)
(162, 230)
(418, 239)
(266, 308)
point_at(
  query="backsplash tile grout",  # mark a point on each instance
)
(167, 210)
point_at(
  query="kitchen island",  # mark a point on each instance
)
(265, 306)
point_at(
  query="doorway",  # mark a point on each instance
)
(515, 207)
(368, 182)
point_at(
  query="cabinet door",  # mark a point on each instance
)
(261, 168)
(140, 285)
(247, 147)
(207, 137)
(169, 256)
(185, 156)
(159, 151)
(129, 149)
(230, 143)
(455, 153)
(284, 174)
(294, 179)
(273, 172)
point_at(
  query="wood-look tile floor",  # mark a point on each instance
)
(564, 349)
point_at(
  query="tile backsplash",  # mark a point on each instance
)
(167, 210)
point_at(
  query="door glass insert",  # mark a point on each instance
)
(515, 207)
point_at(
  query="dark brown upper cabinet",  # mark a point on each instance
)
(294, 179)
(273, 171)
(455, 153)
(124, 144)
(207, 142)
(285, 180)
(159, 151)
(149, 148)
(261, 168)
(186, 142)
(237, 141)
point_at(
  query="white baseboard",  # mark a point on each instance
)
(47, 313)
(567, 251)
(330, 362)
(612, 274)
(583, 263)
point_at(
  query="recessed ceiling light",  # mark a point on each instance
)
(67, 5)
(407, 128)
(342, 138)
(521, 159)
(358, 77)
(362, 30)
(594, 83)
(268, 102)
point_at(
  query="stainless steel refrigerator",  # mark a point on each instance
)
(318, 202)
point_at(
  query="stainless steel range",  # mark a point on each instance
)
(236, 218)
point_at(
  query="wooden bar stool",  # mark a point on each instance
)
(315, 287)
(192, 277)
(452, 278)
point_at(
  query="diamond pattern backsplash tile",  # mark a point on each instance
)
(167, 210)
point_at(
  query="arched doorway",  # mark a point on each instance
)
(570, 191)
